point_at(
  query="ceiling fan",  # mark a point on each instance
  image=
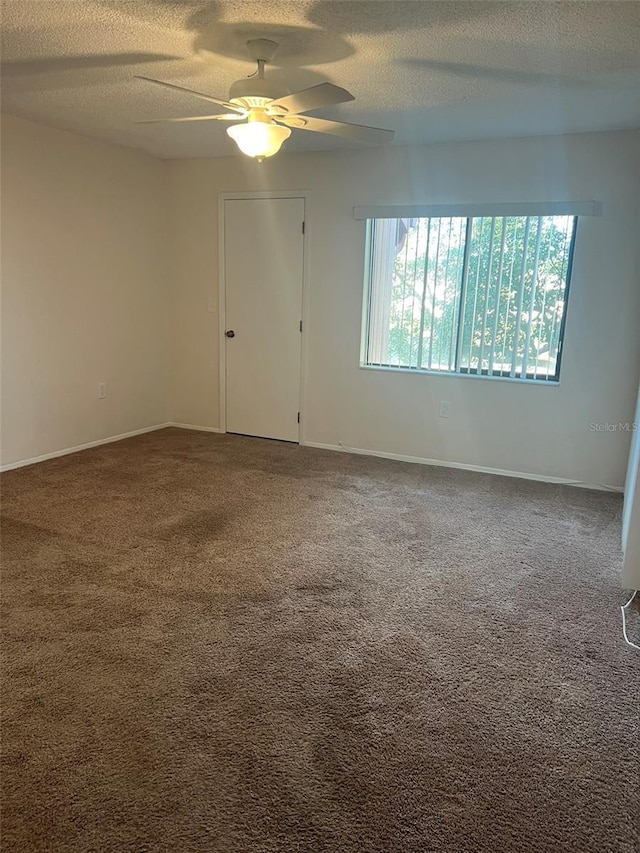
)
(267, 117)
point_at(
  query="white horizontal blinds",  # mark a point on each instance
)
(512, 314)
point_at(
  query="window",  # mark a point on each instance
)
(482, 295)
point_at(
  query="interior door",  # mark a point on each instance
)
(263, 244)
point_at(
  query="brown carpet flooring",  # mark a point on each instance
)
(217, 643)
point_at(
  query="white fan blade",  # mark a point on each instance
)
(358, 132)
(211, 100)
(222, 117)
(323, 95)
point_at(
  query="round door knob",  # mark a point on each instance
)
(230, 333)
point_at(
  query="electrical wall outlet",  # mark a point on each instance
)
(443, 411)
(102, 390)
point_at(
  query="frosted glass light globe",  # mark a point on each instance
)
(258, 138)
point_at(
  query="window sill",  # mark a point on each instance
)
(545, 383)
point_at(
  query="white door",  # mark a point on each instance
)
(263, 250)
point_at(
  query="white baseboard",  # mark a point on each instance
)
(420, 460)
(21, 463)
(197, 428)
(339, 448)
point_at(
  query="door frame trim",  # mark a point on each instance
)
(305, 195)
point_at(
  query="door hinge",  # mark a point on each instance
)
(300, 325)
(298, 417)
(303, 224)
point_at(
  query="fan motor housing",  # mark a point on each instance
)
(254, 92)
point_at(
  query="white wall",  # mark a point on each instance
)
(94, 289)
(540, 430)
(84, 290)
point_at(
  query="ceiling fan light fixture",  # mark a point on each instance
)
(259, 137)
(270, 114)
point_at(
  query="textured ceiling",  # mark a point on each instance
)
(429, 70)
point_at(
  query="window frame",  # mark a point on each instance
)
(463, 372)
